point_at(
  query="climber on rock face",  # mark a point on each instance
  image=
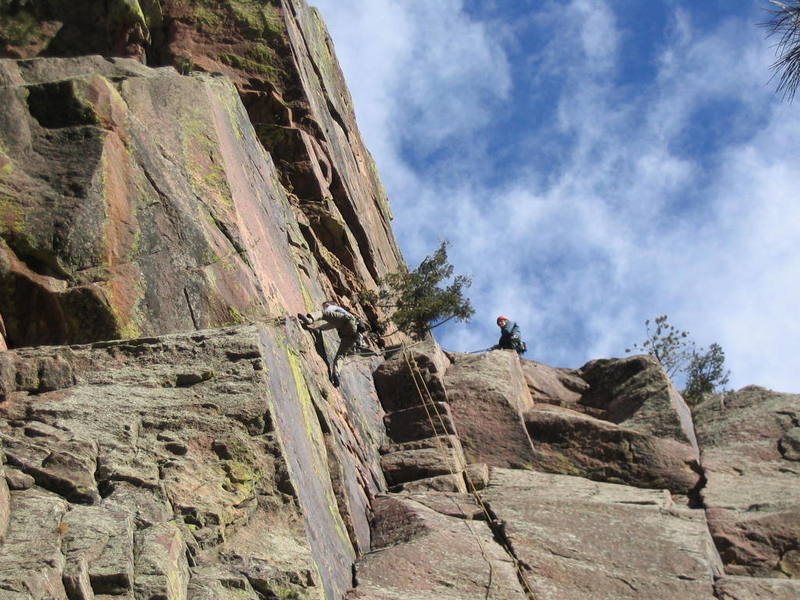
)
(509, 336)
(333, 316)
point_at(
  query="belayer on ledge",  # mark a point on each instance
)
(509, 336)
(347, 325)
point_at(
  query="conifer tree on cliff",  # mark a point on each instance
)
(785, 23)
(677, 353)
(421, 299)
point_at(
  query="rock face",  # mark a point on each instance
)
(280, 58)
(613, 420)
(168, 431)
(422, 553)
(753, 492)
(180, 461)
(577, 538)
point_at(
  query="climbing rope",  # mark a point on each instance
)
(451, 462)
(450, 458)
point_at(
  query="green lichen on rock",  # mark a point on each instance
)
(125, 12)
(17, 27)
(201, 154)
(12, 216)
(253, 30)
(59, 27)
(6, 164)
(253, 61)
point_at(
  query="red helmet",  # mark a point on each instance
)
(502, 318)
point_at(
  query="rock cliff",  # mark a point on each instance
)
(177, 179)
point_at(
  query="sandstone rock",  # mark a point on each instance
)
(637, 392)
(581, 539)
(119, 28)
(3, 345)
(548, 385)
(438, 483)
(281, 60)
(487, 395)
(398, 389)
(354, 458)
(159, 227)
(252, 477)
(477, 476)
(756, 588)
(98, 548)
(789, 445)
(420, 553)
(5, 503)
(751, 496)
(571, 443)
(17, 480)
(161, 567)
(421, 459)
(31, 562)
(218, 584)
(420, 422)
(615, 420)
(461, 506)
(57, 459)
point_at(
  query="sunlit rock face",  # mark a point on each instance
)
(281, 60)
(177, 181)
(752, 498)
(138, 468)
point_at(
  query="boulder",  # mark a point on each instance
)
(580, 539)
(615, 420)
(751, 496)
(487, 395)
(573, 443)
(637, 392)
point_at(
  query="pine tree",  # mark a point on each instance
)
(420, 300)
(785, 23)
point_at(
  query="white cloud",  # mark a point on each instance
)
(650, 209)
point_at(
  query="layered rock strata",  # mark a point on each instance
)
(613, 421)
(279, 57)
(207, 458)
(184, 463)
(752, 496)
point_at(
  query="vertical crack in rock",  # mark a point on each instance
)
(696, 495)
(497, 527)
(191, 310)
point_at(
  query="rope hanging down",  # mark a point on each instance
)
(452, 464)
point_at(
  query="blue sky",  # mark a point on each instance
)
(594, 163)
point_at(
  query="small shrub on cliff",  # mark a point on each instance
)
(676, 353)
(705, 372)
(669, 345)
(420, 300)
